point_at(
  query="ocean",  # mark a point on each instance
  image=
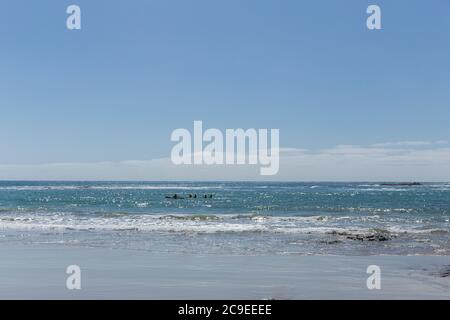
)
(238, 218)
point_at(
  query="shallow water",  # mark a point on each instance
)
(240, 218)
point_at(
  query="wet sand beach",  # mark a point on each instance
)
(39, 272)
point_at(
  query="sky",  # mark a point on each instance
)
(100, 103)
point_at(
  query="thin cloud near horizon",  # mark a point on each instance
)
(392, 161)
(410, 143)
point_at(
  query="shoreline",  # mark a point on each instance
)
(39, 272)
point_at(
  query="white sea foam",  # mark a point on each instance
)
(210, 223)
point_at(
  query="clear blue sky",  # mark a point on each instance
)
(140, 69)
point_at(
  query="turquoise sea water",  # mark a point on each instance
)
(240, 218)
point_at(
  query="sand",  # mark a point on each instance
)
(39, 272)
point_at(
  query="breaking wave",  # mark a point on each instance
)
(239, 223)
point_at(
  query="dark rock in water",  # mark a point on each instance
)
(445, 272)
(401, 184)
(376, 235)
(370, 237)
(331, 241)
